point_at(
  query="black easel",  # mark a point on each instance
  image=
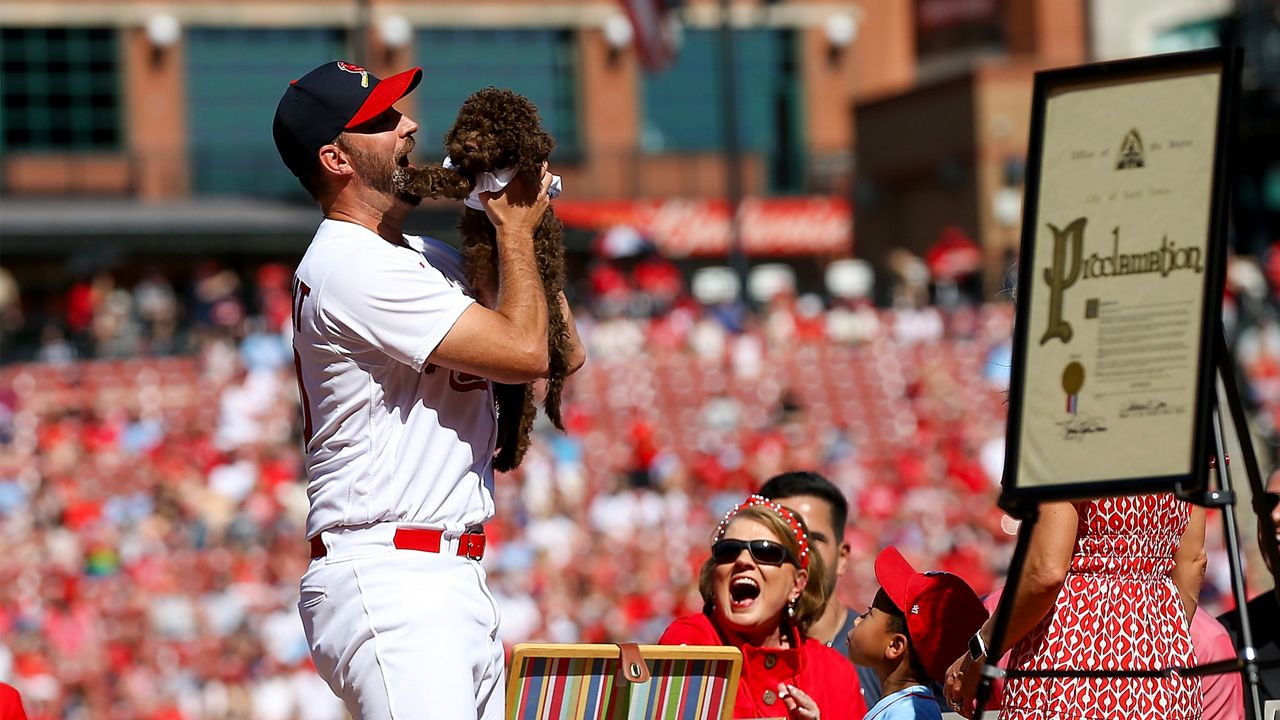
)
(1223, 498)
(1192, 482)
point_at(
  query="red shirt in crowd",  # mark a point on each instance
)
(11, 704)
(813, 667)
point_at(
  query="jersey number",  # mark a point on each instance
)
(300, 292)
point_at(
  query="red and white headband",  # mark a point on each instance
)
(788, 517)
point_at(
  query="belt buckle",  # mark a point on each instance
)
(472, 546)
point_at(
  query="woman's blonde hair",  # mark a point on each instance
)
(812, 601)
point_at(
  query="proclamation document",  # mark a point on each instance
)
(1115, 322)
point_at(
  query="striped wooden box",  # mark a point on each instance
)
(582, 682)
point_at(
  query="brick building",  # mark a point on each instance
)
(147, 123)
(170, 101)
(949, 151)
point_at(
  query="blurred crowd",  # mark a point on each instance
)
(152, 498)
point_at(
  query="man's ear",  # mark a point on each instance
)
(842, 558)
(334, 161)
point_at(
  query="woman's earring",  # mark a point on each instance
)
(791, 609)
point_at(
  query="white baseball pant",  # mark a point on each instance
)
(402, 634)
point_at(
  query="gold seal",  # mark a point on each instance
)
(1072, 378)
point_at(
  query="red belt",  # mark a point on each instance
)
(470, 544)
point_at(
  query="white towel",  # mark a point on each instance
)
(495, 181)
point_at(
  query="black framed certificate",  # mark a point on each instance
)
(1120, 278)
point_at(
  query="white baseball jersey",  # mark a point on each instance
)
(388, 437)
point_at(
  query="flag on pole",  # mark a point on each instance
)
(655, 29)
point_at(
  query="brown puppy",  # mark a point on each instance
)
(497, 129)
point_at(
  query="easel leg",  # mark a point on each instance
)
(1028, 513)
(1226, 502)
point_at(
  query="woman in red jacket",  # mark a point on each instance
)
(761, 588)
(11, 703)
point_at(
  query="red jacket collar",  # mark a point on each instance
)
(794, 656)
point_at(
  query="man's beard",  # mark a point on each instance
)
(396, 181)
(384, 176)
(401, 169)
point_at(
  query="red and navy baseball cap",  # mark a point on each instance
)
(334, 97)
(942, 611)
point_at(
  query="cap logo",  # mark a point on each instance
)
(915, 609)
(356, 70)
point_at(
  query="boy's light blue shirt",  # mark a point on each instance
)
(912, 703)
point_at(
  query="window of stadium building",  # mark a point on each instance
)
(1194, 35)
(682, 104)
(540, 64)
(61, 89)
(231, 97)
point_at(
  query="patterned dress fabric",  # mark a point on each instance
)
(1118, 610)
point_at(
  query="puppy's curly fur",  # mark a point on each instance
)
(498, 129)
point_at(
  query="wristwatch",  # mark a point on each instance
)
(977, 647)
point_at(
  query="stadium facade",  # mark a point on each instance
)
(153, 117)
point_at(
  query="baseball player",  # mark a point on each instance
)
(395, 359)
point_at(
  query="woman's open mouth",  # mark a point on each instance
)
(743, 592)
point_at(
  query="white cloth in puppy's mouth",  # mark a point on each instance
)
(495, 181)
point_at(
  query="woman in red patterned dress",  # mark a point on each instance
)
(1108, 584)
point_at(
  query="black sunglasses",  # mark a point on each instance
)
(1270, 500)
(765, 552)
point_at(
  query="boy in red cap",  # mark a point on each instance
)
(917, 624)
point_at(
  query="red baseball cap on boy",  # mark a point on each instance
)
(942, 611)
